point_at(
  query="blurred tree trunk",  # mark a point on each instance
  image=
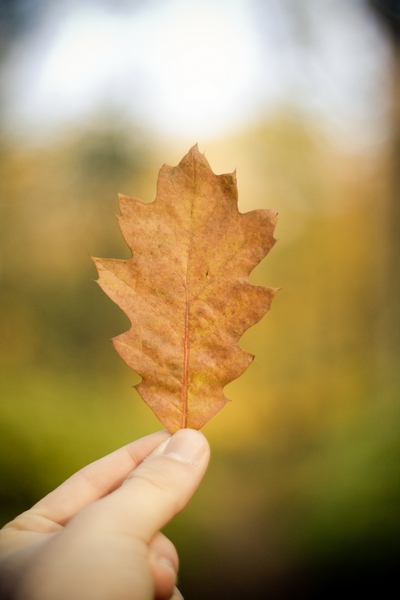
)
(388, 11)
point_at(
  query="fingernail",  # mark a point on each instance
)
(186, 445)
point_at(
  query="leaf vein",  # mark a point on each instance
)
(220, 325)
(163, 318)
(153, 361)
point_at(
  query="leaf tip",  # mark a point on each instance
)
(195, 150)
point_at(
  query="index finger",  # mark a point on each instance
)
(96, 480)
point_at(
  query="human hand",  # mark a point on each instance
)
(96, 537)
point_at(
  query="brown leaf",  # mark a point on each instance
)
(186, 289)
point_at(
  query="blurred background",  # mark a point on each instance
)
(302, 496)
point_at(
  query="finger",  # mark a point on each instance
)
(164, 563)
(96, 480)
(176, 595)
(161, 547)
(157, 489)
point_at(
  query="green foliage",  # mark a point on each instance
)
(315, 413)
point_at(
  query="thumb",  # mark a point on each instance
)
(159, 488)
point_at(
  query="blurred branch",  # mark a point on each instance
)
(16, 17)
(389, 10)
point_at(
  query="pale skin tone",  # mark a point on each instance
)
(97, 535)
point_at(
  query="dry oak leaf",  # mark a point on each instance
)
(186, 290)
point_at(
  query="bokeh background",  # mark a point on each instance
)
(302, 496)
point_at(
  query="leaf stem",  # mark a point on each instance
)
(185, 362)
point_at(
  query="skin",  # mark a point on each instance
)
(97, 535)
